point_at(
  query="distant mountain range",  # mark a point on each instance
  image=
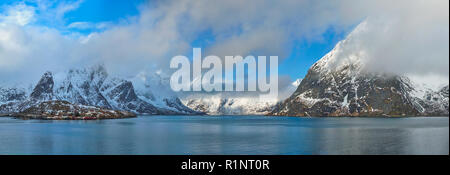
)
(94, 87)
(236, 103)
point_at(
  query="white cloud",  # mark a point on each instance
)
(64, 7)
(80, 25)
(412, 39)
(416, 33)
(20, 14)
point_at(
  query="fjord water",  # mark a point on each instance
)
(227, 135)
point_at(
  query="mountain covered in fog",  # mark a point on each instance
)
(94, 87)
(338, 85)
(236, 103)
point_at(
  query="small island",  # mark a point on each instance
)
(63, 110)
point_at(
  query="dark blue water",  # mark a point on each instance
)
(227, 135)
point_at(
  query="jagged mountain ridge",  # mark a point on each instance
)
(93, 87)
(338, 85)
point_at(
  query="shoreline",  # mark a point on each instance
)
(15, 116)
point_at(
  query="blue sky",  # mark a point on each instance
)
(303, 53)
(104, 10)
(97, 11)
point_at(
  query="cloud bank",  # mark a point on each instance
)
(414, 40)
(403, 37)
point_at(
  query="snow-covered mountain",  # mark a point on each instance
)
(338, 85)
(221, 105)
(154, 89)
(92, 87)
(8, 95)
(429, 99)
(234, 103)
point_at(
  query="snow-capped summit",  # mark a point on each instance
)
(339, 85)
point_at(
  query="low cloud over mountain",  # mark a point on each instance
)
(402, 37)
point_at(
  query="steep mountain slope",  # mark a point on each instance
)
(235, 104)
(44, 89)
(338, 85)
(121, 95)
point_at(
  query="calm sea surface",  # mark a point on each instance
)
(227, 135)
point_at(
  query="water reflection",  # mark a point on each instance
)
(227, 135)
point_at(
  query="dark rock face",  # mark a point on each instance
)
(123, 95)
(340, 95)
(177, 104)
(44, 88)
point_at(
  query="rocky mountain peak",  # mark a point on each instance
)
(44, 89)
